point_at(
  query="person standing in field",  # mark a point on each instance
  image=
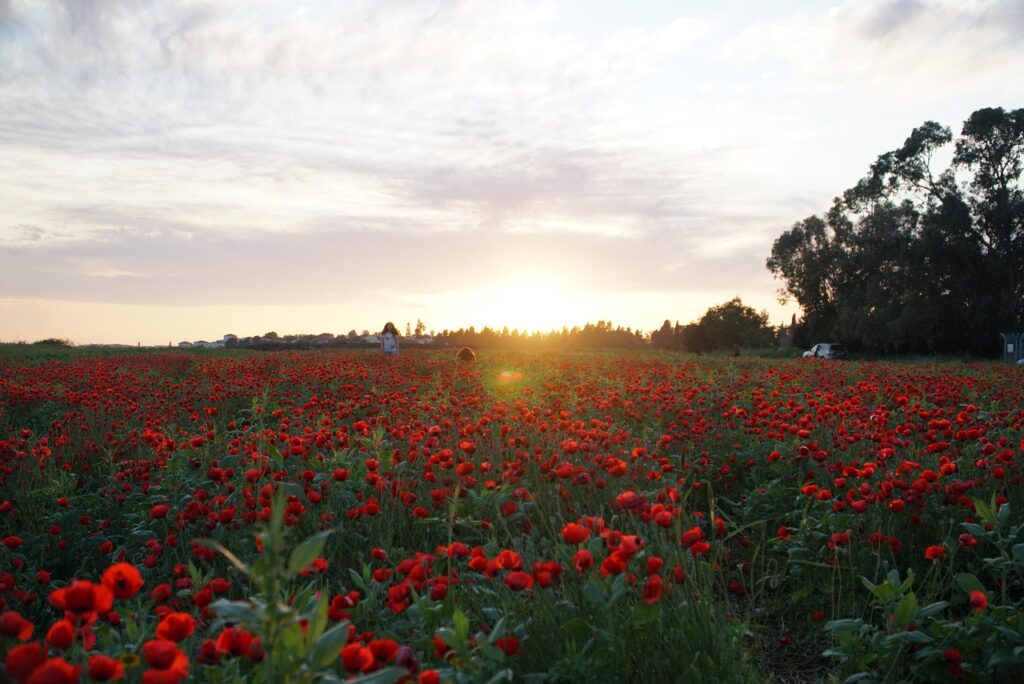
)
(389, 339)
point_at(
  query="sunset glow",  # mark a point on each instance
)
(184, 169)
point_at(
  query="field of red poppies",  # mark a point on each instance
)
(333, 516)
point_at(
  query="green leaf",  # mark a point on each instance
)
(910, 637)
(307, 552)
(884, 592)
(291, 489)
(1018, 553)
(1004, 513)
(388, 675)
(986, 511)
(969, 582)
(906, 609)
(974, 528)
(329, 645)
(845, 625)
(131, 628)
(593, 593)
(644, 614)
(575, 626)
(932, 609)
(318, 623)
(496, 632)
(460, 623)
(799, 595)
(502, 676)
(235, 611)
(1004, 657)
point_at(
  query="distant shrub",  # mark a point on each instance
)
(53, 342)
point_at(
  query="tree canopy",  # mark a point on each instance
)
(912, 259)
(721, 327)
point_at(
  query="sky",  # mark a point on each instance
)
(184, 169)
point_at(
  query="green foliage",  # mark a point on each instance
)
(901, 640)
(912, 260)
(721, 327)
(281, 606)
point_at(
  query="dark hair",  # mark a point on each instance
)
(391, 325)
(466, 355)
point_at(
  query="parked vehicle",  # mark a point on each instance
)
(826, 350)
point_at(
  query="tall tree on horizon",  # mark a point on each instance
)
(911, 259)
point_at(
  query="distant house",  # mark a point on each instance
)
(184, 345)
(323, 338)
(229, 339)
(424, 339)
(371, 339)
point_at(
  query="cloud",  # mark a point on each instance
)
(430, 116)
(909, 47)
(163, 266)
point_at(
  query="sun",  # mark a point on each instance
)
(530, 304)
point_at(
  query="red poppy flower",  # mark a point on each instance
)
(123, 579)
(168, 663)
(13, 624)
(22, 660)
(357, 658)
(159, 511)
(583, 561)
(160, 593)
(509, 645)
(699, 548)
(208, 653)
(56, 671)
(652, 589)
(383, 649)
(613, 565)
(518, 580)
(978, 600)
(61, 635)
(234, 641)
(509, 560)
(935, 552)
(176, 627)
(82, 600)
(691, 536)
(573, 533)
(105, 669)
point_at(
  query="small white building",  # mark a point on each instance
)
(372, 339)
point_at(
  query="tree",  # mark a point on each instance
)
(664, 337)
(727, 324)
(420, 328)
(913, 259)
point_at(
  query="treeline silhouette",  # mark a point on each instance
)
(600, 335)
(721, 327)
(917, 259)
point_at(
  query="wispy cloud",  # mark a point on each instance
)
(908, 47)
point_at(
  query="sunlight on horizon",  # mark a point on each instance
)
(533, 302)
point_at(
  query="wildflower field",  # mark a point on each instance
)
(333, 516)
